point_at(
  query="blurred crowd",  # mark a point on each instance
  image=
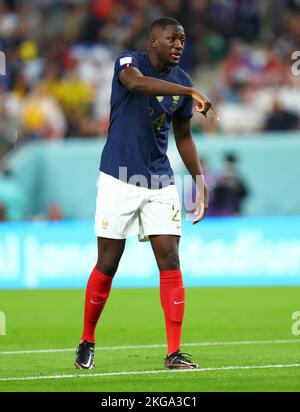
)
(59, 57)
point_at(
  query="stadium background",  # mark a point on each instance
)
(54, 110)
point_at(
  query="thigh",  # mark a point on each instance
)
(166, 251)
(161, 214)
(116, 209)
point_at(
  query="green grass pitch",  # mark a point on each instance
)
(249, 329)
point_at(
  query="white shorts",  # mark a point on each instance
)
(124, 210)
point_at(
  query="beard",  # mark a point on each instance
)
(173, 64)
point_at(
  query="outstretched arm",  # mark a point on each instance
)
(188, 153)
(136, 82)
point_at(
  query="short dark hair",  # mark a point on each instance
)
(162, 22)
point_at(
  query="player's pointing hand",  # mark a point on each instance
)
(203, 105)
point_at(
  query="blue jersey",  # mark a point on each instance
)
(137, 139)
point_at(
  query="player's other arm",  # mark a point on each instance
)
(188, 153)
(136, 82)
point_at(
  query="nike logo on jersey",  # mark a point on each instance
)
(178, 303)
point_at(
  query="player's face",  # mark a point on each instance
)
(170, 44)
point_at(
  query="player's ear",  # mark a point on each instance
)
(153, 42)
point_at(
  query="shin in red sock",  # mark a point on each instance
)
(97, 292)
(172, 301)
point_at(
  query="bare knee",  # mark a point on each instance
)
(168, 260)
(107, 267)
(109, 255)
(108, 263)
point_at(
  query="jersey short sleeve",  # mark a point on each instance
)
(125, 59)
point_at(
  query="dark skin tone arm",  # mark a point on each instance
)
(136, 82)
(188, 153)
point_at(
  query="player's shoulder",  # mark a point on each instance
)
(130, 56)
(184, 77)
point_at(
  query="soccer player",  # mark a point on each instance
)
(136, 192)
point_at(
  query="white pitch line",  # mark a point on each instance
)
(152, 372)
(229, 343)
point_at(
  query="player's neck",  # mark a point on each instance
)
(158, 65)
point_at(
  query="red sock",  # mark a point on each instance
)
(97, 291)
(172, 301)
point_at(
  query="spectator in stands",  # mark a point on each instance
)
(42, 116)
(237, 68)
(230, 191)
(54, 212)
(280, 119)
(9, 121)
(2, 213)
(12, 197)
